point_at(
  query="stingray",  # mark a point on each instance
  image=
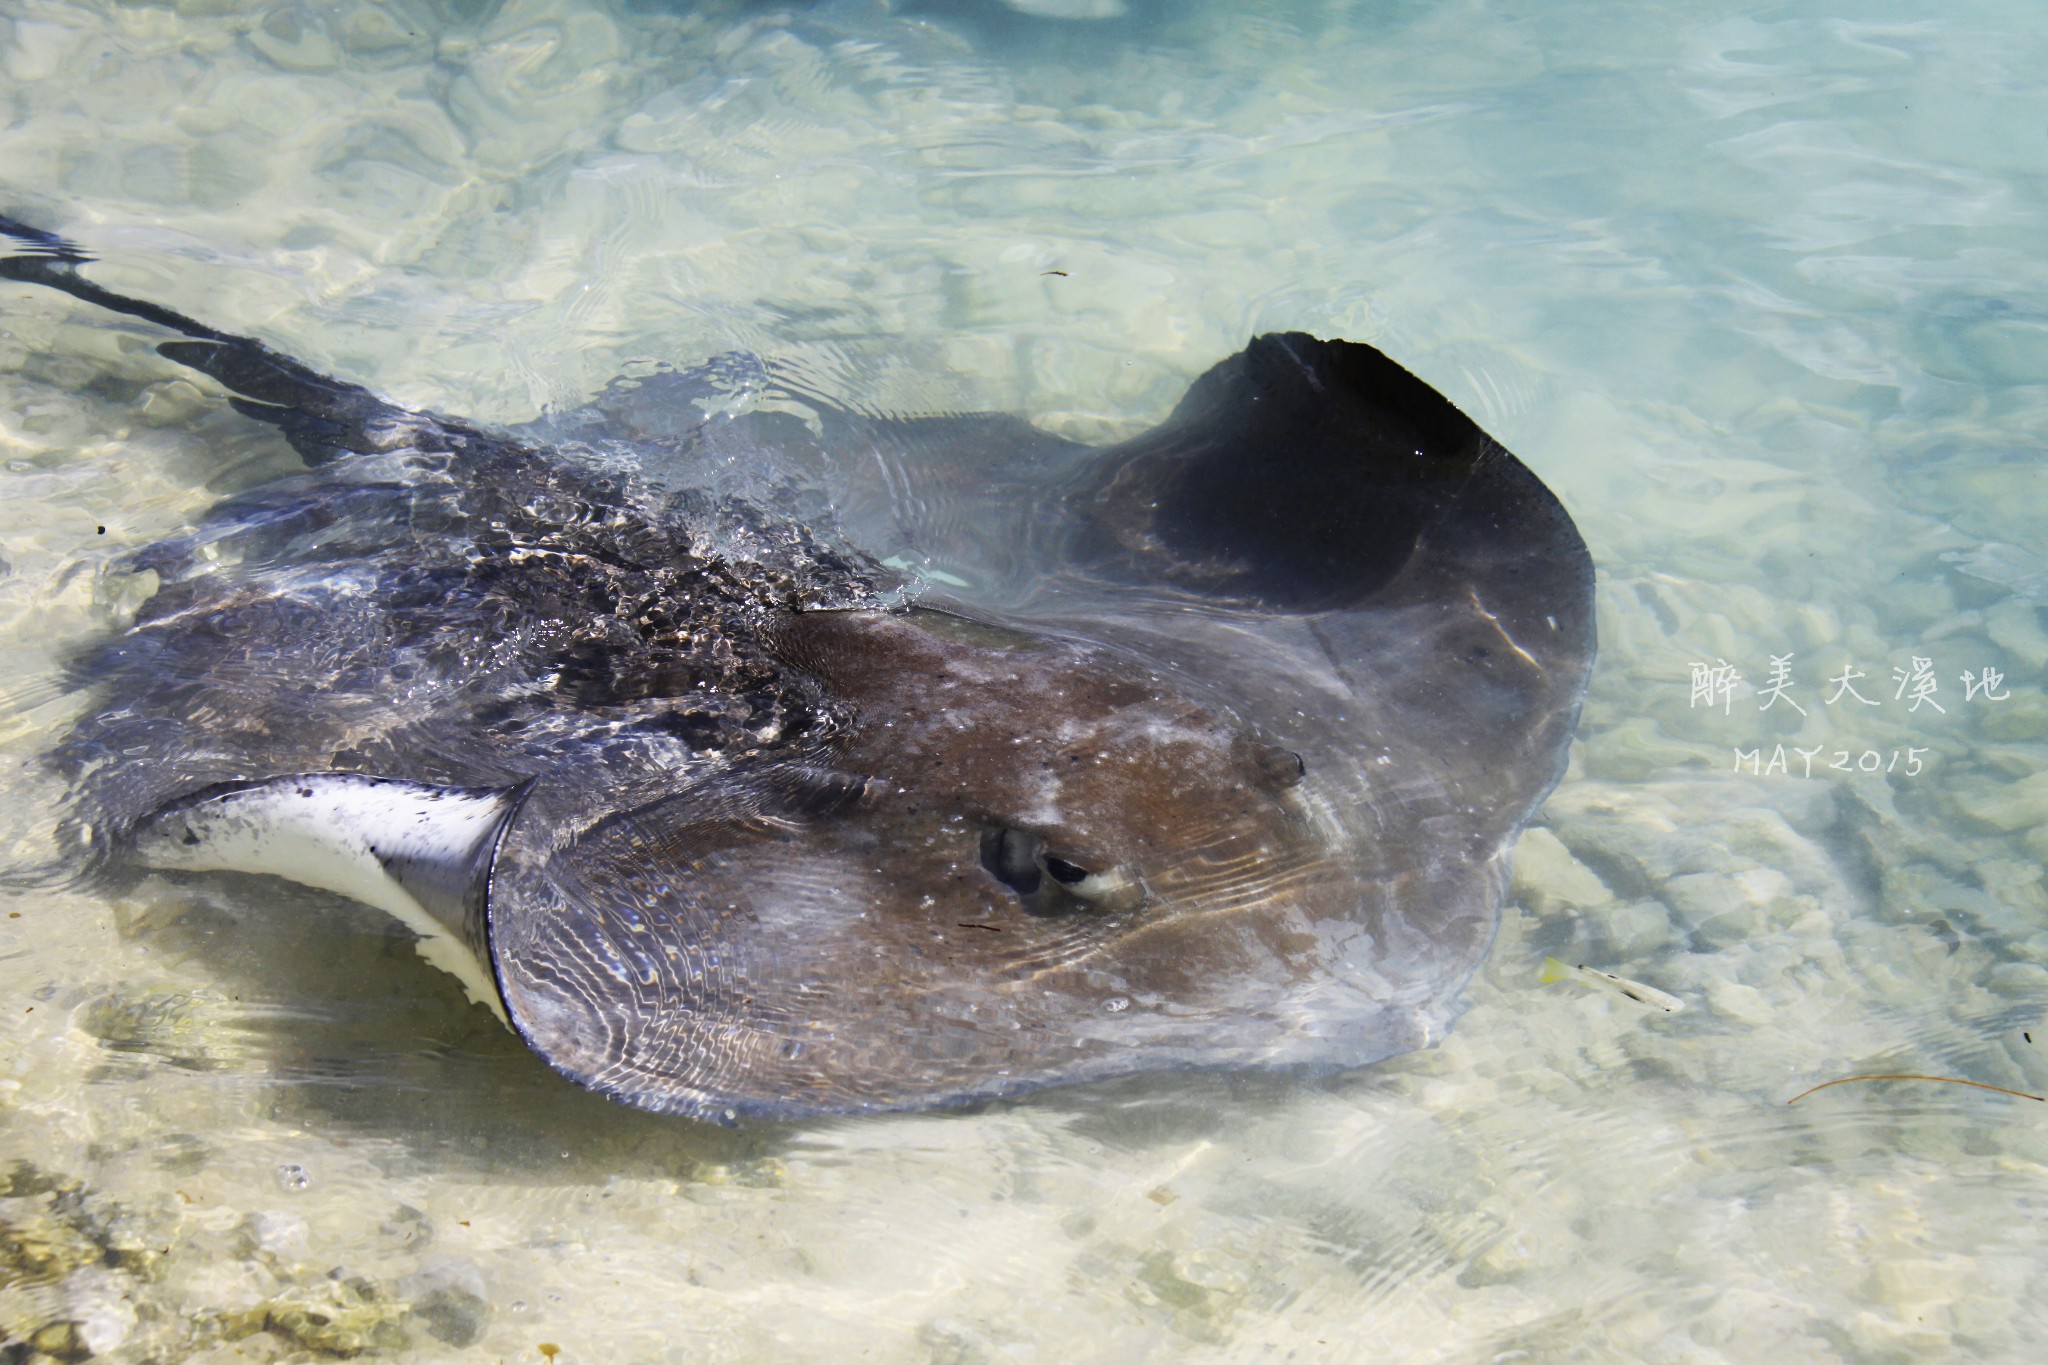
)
(1205, 749)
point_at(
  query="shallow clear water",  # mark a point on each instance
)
(1758, 291)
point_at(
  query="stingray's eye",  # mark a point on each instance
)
(1011, 857)
(1115, 889)
(1048, 884)
(1281, 768)
(1064, 872)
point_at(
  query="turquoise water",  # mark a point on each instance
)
(1758, 291)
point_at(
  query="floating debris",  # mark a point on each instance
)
(1904, 1076)
(1945, 933)
(1554, 970)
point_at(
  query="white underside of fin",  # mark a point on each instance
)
(408, 849)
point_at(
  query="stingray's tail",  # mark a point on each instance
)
(322, 417)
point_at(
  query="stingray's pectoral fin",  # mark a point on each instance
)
(651, 953)
(420, 852)
(1307, 475)
(1308, 488)
(321, 416)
